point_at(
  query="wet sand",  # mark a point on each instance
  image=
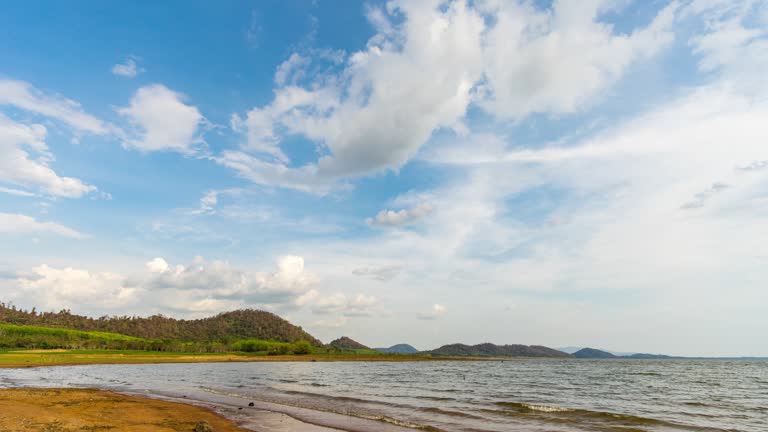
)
(65, 410)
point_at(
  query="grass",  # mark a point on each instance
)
(33, 358)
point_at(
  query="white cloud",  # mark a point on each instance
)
(435, 312)
(22, 224)
(701, 198)
(269, 173)
(53, 288)
(339, 303)
(18, 166)
(163, 121)
(17, 192)
(332, 323)
(219, 279)
(291, 70)
(24, 96)
(199, 288)
(555, 61)
(382, 274)
(157, 265)
(735, 40)
(424, 72)
(128, 69)
(392, 218)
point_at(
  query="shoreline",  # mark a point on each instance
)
(43, 358)
(65, 409)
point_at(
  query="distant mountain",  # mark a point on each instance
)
(491, 350)
(573, 349)
(649, 356)
(346, 343)
(398, 349)
(591, 353)
(227, 326)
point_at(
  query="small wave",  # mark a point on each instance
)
(432, 398)
(524, 407)
(374, 417)
(450, 413)
(560, 414)
(318, 385)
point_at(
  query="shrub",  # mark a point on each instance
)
(302, 347)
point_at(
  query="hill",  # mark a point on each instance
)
(573, 349)
(491, 350)
(649, 356)
(591, 353)
(398, 349)
(224, 327)
(346, 343)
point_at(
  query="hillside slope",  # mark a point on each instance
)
(398, 349)
(224, 327)
(346, 343)
(591, 353)
(491, 350)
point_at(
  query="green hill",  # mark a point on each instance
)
(398, 349)
(346, 343)
(223, 328)
(591, 353)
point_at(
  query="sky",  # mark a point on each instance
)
(588, 173)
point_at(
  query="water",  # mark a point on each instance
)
(525, 395)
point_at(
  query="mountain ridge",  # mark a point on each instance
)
(402, 348)
(491, 350)
(225, 326)
(346, 343)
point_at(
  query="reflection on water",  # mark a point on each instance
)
(529, 395)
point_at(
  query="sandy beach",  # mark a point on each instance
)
(65, 410)
(91, 409)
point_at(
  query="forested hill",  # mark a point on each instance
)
(491, 350)
(224, 327)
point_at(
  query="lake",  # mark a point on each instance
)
(526, 395)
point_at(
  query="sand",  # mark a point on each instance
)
(65, 410)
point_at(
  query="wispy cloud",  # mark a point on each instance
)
(128, 69)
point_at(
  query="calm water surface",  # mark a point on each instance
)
(525, 395)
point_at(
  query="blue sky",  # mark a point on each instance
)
(559, 173)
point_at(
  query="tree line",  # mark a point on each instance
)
(222, 330)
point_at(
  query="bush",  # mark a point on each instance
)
(302, 347)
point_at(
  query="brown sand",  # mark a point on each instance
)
(65, 410)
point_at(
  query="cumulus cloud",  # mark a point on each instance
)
(434, 313)
(26, 161)
(219, 279)
(392, 218)
(423, 72)
(162, 121)
(556, 60)
(127, 69)
(198, 287)
(68, 287)
(24, 96)
(22, 224)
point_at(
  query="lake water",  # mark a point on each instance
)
(524, 395)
